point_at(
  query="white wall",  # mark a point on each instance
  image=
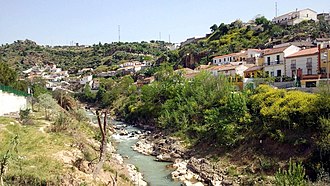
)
(273, 67)
(11, 103)
(301, 63)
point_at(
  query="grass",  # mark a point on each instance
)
(33, 161)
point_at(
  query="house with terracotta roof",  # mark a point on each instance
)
(253, 72)
(228, 70)
(305, 61)
(274, 60)
(224, 59)
(249, 56)
(303, 65)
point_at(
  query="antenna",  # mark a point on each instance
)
(275, 9)
(119, 33)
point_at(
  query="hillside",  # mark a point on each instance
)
(236, 36)
(24, 54)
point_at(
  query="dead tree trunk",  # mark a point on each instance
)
(103, 146)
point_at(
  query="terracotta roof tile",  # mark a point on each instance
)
(306, 52)
(274, 50)
(255, 68)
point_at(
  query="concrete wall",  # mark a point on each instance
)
(11, 103)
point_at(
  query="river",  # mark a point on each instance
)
(154, 173)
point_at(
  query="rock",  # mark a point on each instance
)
(135, 176)
(164, 158)
(143, 146)
(188, 183)
(118, 157)
(123, 132)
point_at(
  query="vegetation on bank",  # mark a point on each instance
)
(53, 145)
(209, 110)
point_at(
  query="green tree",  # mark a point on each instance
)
(7, 75)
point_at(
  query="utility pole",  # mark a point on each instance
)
(119, 33)
(276, 9)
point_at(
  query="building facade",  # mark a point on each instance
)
(304, 61)
(274, 60)
(295, 17)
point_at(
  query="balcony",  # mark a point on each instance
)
(309, 65)
(251, 60)
(272, 63)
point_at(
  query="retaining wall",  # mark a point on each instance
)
(10, 102)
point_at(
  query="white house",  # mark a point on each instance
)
(296, 17)
(234, 59)
(223, 60)
(86, 79)
(253, 56)
(274, 60)
(228, 70)
(305, 61)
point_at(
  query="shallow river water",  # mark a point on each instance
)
(154, 173)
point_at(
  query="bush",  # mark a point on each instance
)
(62, 121)
(295, 175)
(24, 116)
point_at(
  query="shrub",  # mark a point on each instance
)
(24, 116)
(293, 176)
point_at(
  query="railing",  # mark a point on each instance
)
(273, 63)
(251, 60)
(14, 91)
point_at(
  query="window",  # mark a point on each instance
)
(279, 73)
(268, 60)
(309, 63)
(278, 59)
(224, 59)
(272, 74)
(306, 15)
(293, 64)
(220, 60)
(309, 71)
(323, 70)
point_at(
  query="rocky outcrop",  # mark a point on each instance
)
(135, 176)
(165, 149)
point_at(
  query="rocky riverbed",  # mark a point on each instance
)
(188, 169)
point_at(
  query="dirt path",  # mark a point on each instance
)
(44, 126)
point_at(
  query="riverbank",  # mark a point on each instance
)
(191, 170)
(40, 153)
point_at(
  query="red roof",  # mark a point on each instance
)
(306, 52)
(274, 50)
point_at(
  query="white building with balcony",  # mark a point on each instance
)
(274, 60)
(304, 61)
(295, 17)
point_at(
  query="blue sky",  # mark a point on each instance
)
(59, 22)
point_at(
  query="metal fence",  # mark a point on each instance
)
(14, 91)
